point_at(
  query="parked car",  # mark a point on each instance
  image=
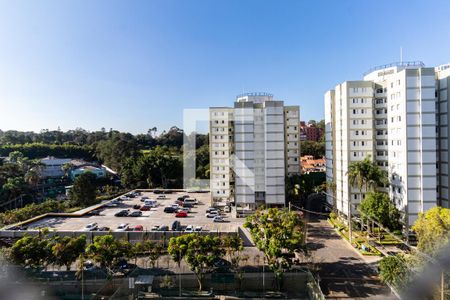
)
(91, 227)
(221, 264)
(157, 192)
(185, 209)
(161, 197)
(189, 229)
(218, 219)
(163, 228)
(212, 214)
(124, 198)
(181, 214)
(137, 206)
(104, 228)
(167, 192)
(181, 198)
(144, 208)
(188, 205)
(175, 205)
(136, 213)
(169, 209)
(143, 198)
(122, 213)
(179, 202)
(198, 228)
(210, 209)
(95, 212)
(123, 227)
(138, 228)
(130, 195)
(176, 225)
(191, 201)
(155, 228)
(151, 203)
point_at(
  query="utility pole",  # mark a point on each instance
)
(349, 220)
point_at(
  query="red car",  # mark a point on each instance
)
(181, 214)
(138, 228)
(144, 208)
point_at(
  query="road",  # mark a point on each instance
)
(343, 273)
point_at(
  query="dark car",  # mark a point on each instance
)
(136, 206)
(188, 205)
(145, 208)
(104, 228)
(17, 228)
(176, 226)
(163, 228)
(167, 192)
(135, 214)
(170, 209)
(95, 212)
(221, 264)
(122, 213)
(157, 192)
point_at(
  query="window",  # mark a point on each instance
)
(354, 111)
(356, 132)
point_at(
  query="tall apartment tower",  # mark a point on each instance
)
(396, 116)
(443, 129)
(254, 145)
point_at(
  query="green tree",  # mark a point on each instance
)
(233, 247)
(107, 251)
(199, 252)
(316, 149)
(366, 174)
(153, 251)
(84, 190)
(378, 206)
(31, 251)
(395, 270)
(278, 234)
(433, 229)
(66, 250)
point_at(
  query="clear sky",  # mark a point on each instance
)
(133, 65)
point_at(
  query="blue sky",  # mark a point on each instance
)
(132, 65)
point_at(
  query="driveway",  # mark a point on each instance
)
(343, 273)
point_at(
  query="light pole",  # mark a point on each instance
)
(349, 220)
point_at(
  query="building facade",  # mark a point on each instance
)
(392, 116)
(310, 132)
(253, 146)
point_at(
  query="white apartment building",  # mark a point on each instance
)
(395, 116)
(253, 146)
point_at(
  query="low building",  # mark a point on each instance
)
(310, 132)
(309, 164)
(77, 171)
(52, 167)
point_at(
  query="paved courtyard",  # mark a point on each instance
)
(156, 216)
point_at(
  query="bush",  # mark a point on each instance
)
(31, 211)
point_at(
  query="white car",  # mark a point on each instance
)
(198, 228)
(212, 214)
(91, 227)
(176, 206)
(218, 219)
(122, 227)
(189, 229)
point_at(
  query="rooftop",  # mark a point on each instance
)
(416, 63)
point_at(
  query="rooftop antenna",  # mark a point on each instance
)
(401, 54)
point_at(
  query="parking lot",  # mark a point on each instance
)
(154, 217)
